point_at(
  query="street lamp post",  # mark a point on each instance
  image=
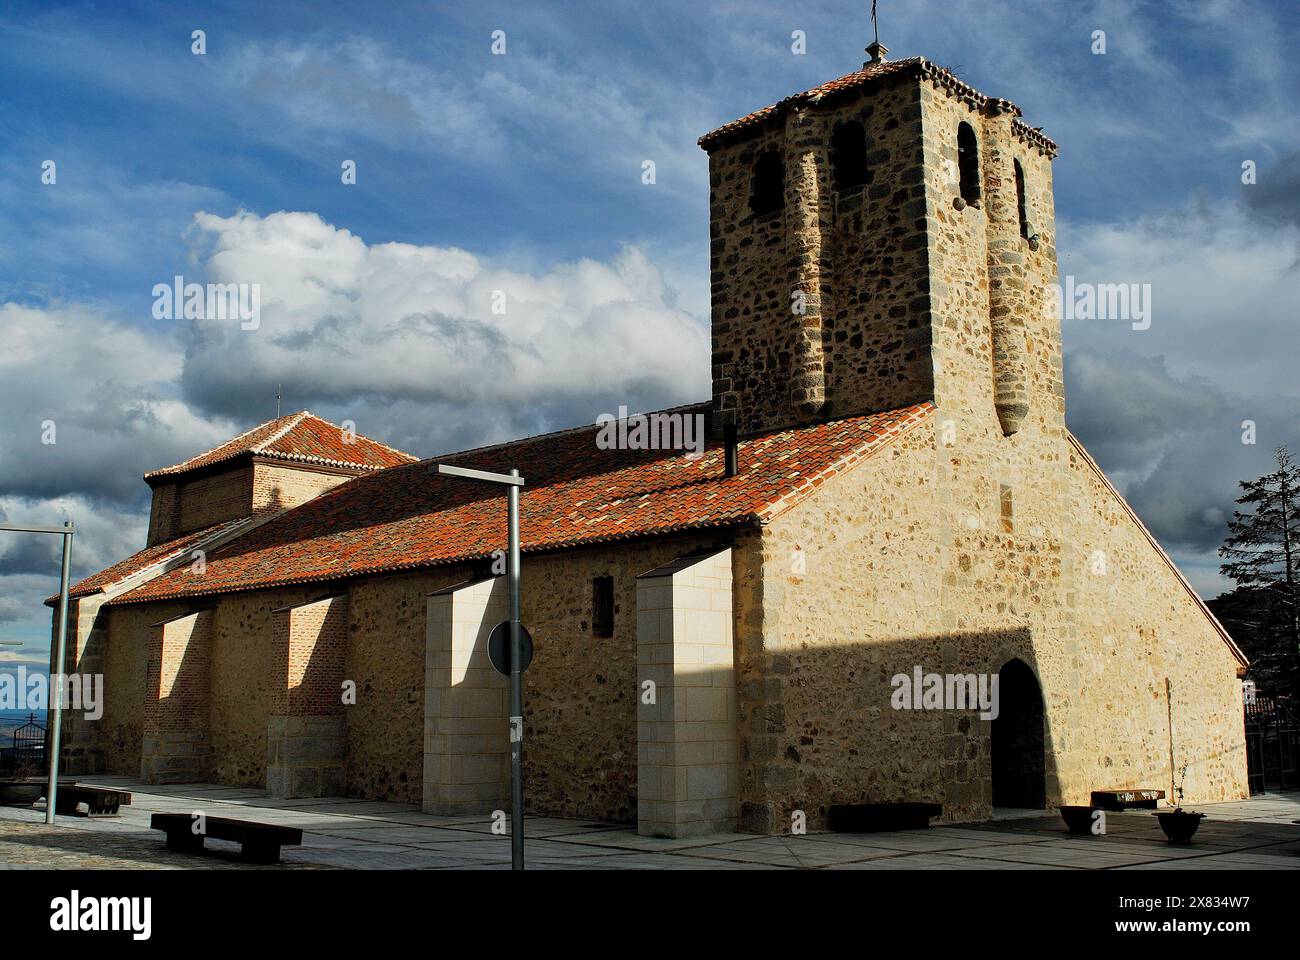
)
(57, 653)
(512, 483)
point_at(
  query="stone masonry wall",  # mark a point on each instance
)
(857, 256)
(385, 660)
(966, 545)
(580, 694)
(1002, 497)
(848, 598)
(245, 681)
(124, 660)
(881, 593)
(1142, 628)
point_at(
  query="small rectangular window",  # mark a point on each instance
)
(602, 606)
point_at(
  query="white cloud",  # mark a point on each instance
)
(1223, 292)
(1163, 409)
(401, 338)
(29, 563)
(343, 320)
(104, 390)
(524, 107)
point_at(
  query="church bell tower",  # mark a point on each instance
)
(879, 240)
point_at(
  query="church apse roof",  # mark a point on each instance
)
(300, 437)
(406, 518)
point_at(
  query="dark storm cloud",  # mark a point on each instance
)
(22, 553)
(1173, 445)
(1125, 407)
(1275, 196)
(85, 406)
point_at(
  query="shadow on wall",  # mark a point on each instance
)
(317, 652)
(892, 721)
(176, 743)
(275, 503)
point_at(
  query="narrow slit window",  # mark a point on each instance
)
(602, 606)
(1020, 200)
(767, 194)
(968, 163)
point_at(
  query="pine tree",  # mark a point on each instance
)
(1262, 555)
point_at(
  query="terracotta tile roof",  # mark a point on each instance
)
(871, 73)
(405, 518)
(148, 557)
(302, 437)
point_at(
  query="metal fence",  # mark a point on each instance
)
(1272, 746)
(27, 752)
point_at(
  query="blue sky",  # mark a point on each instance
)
(523, 171)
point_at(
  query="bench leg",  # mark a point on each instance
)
(260, 851)
(186, 841)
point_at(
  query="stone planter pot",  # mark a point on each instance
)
(21, 793)
(1078, 820)
(1179, 825)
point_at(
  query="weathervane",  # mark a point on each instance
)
(875, 49)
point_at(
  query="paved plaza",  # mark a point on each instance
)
(343, 833)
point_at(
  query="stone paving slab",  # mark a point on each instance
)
(347, 833)
(541, 827)
(943, 861)
(35, 846)
(631, 840)
(1100, 856)
(934, 840)
(791, 852)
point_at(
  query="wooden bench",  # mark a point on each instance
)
(259, 842)
(875, 817)
(1116, 800)
(99, 800)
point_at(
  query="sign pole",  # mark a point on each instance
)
(56, 671)
(58, 651)
(516, 686)
(512, 482)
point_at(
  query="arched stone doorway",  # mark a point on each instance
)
(1019, 772)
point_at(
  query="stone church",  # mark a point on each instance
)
(888, 486)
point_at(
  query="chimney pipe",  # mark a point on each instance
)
(732, 449)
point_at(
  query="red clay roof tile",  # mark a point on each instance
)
(404, 518)
(871, 73)
(303, 437)
(147, 557)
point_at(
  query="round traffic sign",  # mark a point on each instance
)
(499, 647)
